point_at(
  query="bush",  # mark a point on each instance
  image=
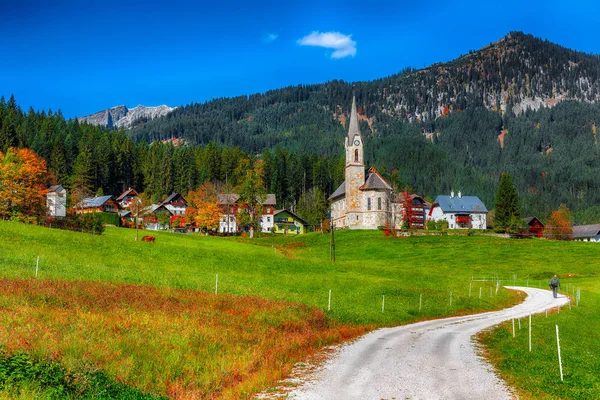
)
(110, 218)
(90, 223)
(22, 370)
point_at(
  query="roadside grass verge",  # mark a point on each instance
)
(536, 375)
(174, 342)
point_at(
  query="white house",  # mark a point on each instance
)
(175, 203)
(461, 212)
(230, 207)
(587, 233)
(56, 201)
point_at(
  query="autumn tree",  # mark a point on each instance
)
(407, 210)
(252, 193)
(22, 183)
(205, 204)
(560, 224)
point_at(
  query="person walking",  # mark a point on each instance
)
(555, 284)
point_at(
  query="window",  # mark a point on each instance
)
(379, 203)
(356, 155)
(369, 204)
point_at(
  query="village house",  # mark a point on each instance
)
(287, 222)
(587, 233)
(461, 212)
(175, 203)
(412, 210)
(126, 198)
(56, 201)
(230, 206)
(533, 227)
(150, 217)
(97, 204)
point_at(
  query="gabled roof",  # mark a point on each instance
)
(529, 220)
(374, 181)
(232, 198)
(92, 202)
(303, 222)
(128, 192)
(586, 231)
(156, 208)
(457, 204)
(56, 188)
(340, 191)
(172, 197)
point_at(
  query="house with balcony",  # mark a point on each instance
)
(461, 212)
(175, 203)
(105, 204)
(287, 222)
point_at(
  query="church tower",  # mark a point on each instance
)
(354, 171)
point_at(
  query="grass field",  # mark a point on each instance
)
(416, 275)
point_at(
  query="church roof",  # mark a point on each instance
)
(374, 181)
(340, 191)
(354, 128)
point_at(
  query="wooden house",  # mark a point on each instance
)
(97, 204)
(126, 198)
(56, 201)
(175, 203)
(286, 222)
(533, 227)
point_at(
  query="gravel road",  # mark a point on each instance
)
(426, 360)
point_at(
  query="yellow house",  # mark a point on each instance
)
(286, 222)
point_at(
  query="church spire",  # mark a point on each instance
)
(354, 129)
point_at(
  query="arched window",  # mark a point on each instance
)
(379, 203)
(356, 155)
(369, 204)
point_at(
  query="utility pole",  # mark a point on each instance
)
(137, 217)
(332, 244)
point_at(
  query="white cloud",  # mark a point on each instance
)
(270, 37)
(343, 45)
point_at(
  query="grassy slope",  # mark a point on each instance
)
(369, 266)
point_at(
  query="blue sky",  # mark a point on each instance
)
(82, 57)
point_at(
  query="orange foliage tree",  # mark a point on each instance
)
(22, 183)
(560, 224)
(205, 206)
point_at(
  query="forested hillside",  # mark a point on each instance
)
(521, 105)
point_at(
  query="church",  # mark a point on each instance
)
(364, 200)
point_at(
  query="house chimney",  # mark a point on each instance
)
(452, 194)
(459, 195)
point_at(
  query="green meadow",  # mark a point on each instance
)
(375, 281)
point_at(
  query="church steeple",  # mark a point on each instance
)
(354, 143)
(354, 129)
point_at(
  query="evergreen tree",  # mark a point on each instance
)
(507, 212)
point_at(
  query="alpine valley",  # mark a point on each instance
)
(520, 105)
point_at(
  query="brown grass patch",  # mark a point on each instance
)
(181, 343)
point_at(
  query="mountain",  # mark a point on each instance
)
(520, 105)
(515, 74)
(123, 117)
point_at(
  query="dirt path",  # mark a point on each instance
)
(427, 360)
